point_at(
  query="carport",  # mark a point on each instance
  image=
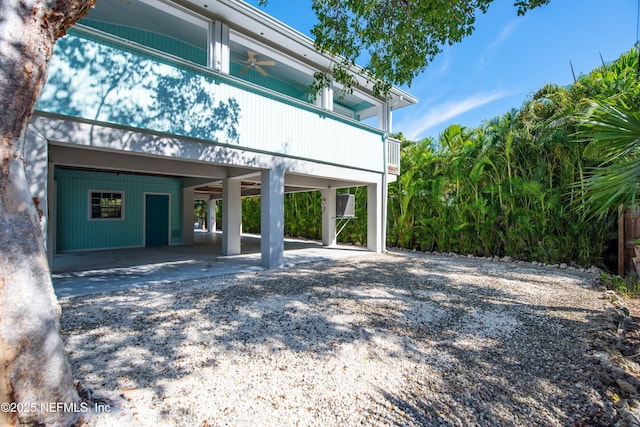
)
(75, 182)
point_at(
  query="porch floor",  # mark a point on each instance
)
(95, 272)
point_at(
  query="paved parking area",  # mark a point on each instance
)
(95, 272)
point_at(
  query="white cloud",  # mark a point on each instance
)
(502, 38)
(414, 127)
(505, 34)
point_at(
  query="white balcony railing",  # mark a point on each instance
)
(393, 156)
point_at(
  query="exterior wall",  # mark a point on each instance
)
(100, 81)
(76, 232)
(205, 159)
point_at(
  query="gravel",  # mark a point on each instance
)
(401, 339)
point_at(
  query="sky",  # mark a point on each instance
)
(504, 61)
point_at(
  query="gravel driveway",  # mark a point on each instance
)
(406, 340)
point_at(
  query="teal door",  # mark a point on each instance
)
(157, 220)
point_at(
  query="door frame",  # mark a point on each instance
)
(144, 216)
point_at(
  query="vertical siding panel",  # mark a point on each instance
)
(77, 232)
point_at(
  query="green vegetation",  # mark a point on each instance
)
(541, 183)
(398, 38)
(303, 216)
(627, 286)
(526, 184)
(200, 212)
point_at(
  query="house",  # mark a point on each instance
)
(151, 105)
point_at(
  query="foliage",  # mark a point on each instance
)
(628, 286)
(200, 212)
(516, 185)
(615, 136)
(493, 191)
(303, 216)
(519, 184)
(398, 38)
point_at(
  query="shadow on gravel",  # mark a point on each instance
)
(497, 352)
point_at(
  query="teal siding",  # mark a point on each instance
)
(153, 40)
(75, 231)
(193, 54)
(268, 82)
(99, 80)
(102, 81)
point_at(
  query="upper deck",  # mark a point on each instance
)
(197, 78)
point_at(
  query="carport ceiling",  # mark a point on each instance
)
(210, 191)
(214, 191)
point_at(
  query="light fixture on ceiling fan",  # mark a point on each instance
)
(255, 63)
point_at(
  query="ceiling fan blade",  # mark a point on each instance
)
(244, 70)
(239, 61)
(266, 63)
(261, 70)
(251, 55)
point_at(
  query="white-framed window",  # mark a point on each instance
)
(106, 205)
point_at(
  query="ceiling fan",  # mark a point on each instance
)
(255, 63)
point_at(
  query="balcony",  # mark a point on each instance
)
(99, 78)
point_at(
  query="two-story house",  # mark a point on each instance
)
(151, 104)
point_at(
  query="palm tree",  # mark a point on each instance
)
(614, 135)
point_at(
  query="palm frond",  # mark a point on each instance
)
(613, 132)
(614, 135)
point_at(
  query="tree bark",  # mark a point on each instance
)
(36, 385)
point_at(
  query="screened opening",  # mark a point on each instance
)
(154, 24)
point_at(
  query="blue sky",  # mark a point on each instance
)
(505, 60)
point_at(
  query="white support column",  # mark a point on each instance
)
(374, 217)
(211, 208)
(188, 196)
(385, 192)
(324, 98)
(382, 116)
(328, 216)
(231, 216)
(219, 57)
(272, 217)
(327, 97)
(318, 101)
(385, 117)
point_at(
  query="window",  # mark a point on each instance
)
(106, 205)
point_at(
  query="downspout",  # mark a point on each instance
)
(385, 191)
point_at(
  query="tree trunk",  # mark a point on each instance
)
(35, 379)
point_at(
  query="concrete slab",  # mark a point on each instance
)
(94, 272)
